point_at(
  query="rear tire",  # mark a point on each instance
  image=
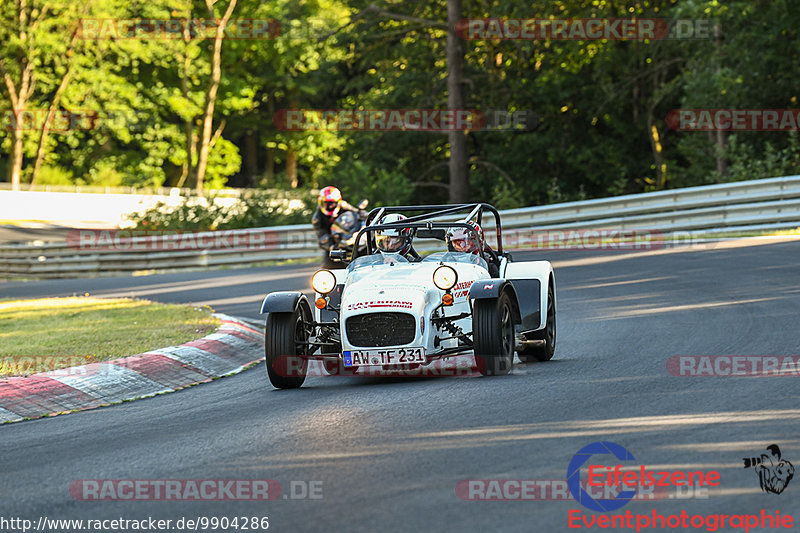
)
(286, 337)
(548, 334)
(493, 335)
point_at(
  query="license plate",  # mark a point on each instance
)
(392, 356)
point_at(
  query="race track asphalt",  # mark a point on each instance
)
(389, 453)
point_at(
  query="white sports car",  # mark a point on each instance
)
(386, 310)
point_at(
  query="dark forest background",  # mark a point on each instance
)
(197, 112)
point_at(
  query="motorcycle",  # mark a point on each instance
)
(343, 235)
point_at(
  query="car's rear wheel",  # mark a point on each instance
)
(493, 335)
(544, 351)
(286, 338)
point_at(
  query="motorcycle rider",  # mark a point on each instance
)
(396, 240)
(329, 205)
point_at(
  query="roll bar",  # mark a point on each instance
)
(424, 220)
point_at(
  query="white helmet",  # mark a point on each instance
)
(393, 240)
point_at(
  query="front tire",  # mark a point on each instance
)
(545, 351)
(286, 337)
(493, 335)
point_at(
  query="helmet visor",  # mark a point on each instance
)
(389, 243)
(463, 244)
(329, 207)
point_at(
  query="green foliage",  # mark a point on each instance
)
(104, 173)
(54, 176)
(272, 208)
(253, 209)
(358, 180)
(506, 195)
(748, 163)
(598, 102)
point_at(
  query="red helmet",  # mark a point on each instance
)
(329, 200)
(460, 239)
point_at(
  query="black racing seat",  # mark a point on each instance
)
(493, 262)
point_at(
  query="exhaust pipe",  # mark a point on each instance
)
(522, 343)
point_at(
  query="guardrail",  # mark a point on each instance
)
(757, 205)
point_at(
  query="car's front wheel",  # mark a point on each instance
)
(286, 339)
(493, 335)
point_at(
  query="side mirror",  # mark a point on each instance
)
(337, 256)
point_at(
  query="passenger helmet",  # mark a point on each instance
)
(460, 239)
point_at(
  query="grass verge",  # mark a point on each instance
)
(51, 333)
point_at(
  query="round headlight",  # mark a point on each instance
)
(445, 277)
(323, 281)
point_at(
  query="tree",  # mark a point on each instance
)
(18, 58)
(211, 94)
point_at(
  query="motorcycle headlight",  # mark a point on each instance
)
(323, 281)
(445, 277)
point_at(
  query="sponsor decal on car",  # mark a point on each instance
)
(379, 303)
(462, 289)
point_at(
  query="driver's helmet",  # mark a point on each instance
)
(329, 200)
(393, 240)
(460, 239)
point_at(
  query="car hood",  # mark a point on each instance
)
(390, 287)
